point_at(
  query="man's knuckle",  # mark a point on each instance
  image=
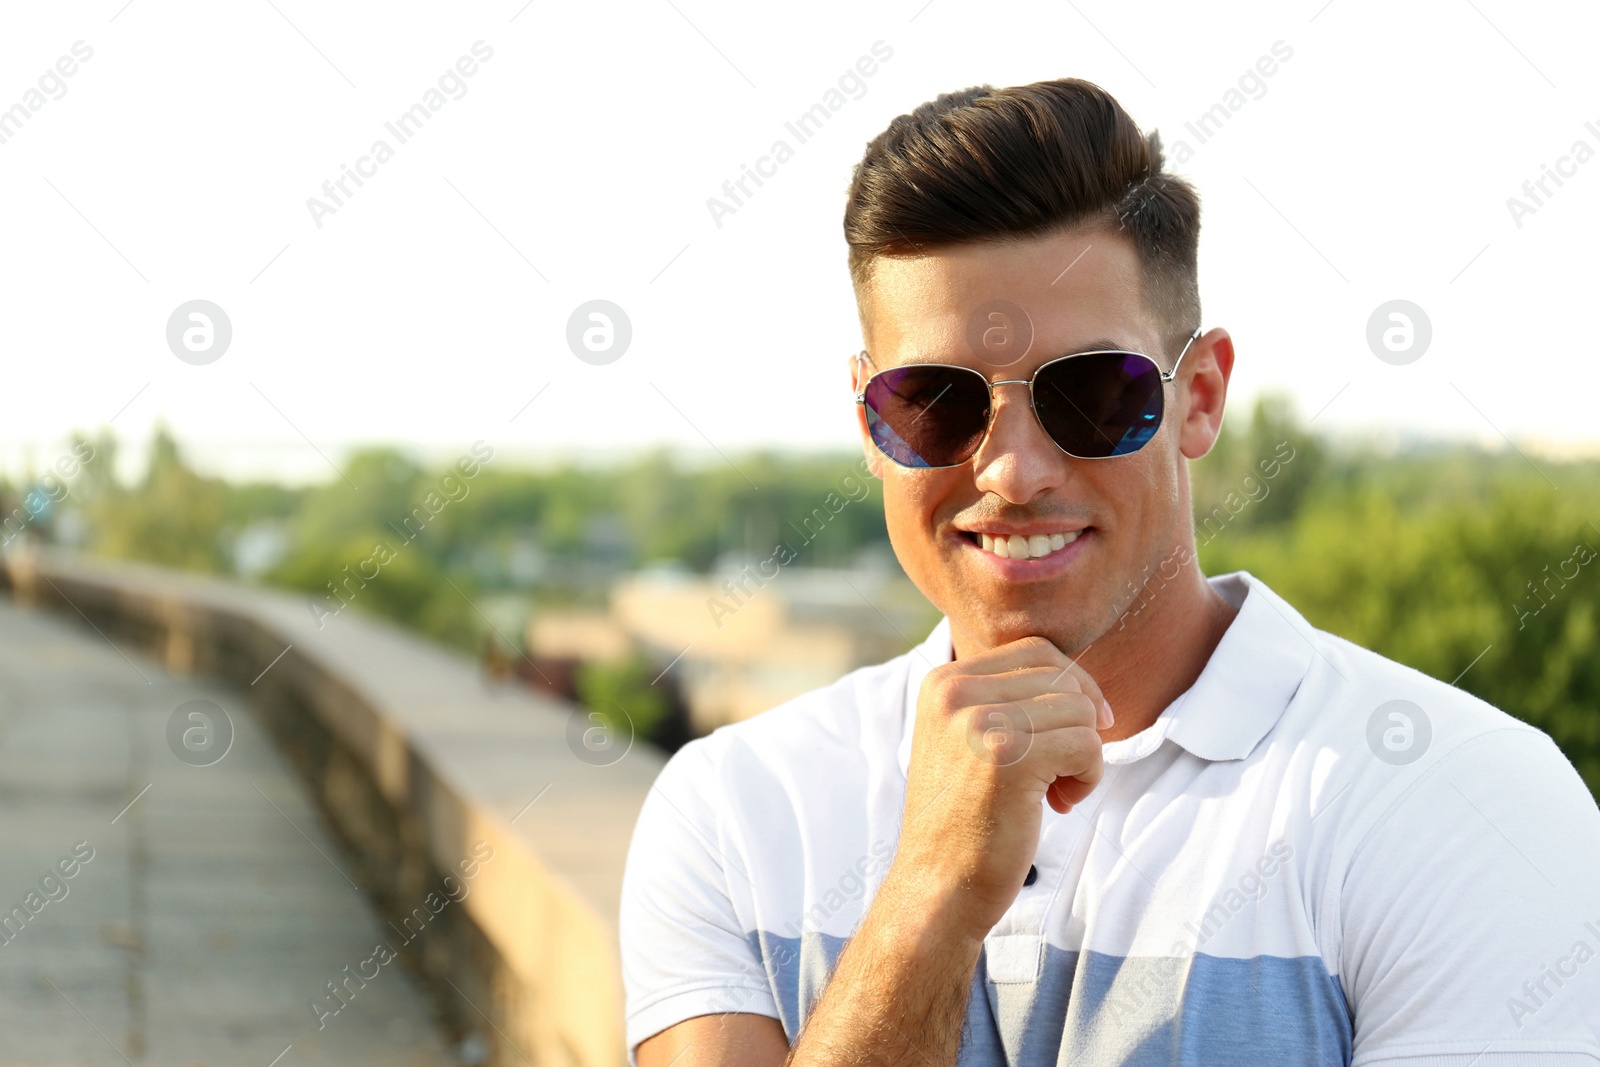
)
(1084, 707)
(940, 688)
(1037, 644)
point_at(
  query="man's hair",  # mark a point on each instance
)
(987, 164)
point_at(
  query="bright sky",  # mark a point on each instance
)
(175, 164)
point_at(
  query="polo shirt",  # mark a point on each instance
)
(1314, 855)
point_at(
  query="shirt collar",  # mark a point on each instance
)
(1239, 696)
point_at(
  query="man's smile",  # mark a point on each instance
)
(1025, 544)
(1028, 558)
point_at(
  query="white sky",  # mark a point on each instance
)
(1376, 165)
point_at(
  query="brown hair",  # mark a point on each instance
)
(988, 164)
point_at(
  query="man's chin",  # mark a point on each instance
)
(1069, 632)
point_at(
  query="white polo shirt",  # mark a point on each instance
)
(1314, 855)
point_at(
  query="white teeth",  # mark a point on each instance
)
(1018, 547)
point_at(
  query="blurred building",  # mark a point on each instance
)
(748, 637)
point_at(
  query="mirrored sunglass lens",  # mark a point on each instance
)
(923, 416)
(1099, 405)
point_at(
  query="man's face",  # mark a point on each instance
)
(1126, 513)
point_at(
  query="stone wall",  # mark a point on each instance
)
(418, 764)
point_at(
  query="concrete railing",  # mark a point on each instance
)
(419, 764)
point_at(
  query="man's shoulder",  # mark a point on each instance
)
(1396, 736)
(1346, 701)
(1362, 682)
(1363, 731)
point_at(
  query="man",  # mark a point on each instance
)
(1110, 811)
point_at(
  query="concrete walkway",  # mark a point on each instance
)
(206, 908)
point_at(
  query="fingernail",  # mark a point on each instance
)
(1108, 717)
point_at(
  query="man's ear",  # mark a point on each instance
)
(858, 378)
(1203, 392)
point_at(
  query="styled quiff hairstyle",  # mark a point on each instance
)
(987, 164)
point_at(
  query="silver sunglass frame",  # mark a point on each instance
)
(1166, 376)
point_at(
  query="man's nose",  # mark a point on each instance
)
(1017, 459)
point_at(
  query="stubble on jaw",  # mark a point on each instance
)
(1070, 631)
(1121, 616)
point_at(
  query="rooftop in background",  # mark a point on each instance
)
(741, 642)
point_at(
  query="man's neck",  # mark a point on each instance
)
(1146, 665)
(1156, 650)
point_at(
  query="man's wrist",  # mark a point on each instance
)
(899, 991)
(930, 921)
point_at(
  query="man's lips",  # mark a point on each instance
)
(1025, 545)
(1049, 555)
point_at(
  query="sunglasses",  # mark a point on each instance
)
(1093, 405)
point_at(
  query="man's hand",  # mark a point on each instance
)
(996, 733)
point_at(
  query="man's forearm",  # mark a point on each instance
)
(899, 992)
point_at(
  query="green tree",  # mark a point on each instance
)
(173, 517)
(625, 687)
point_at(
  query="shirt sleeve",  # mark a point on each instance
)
(685, 951)
(1470, 914)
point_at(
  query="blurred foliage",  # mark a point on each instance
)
(365, 540)
(172, 517)
(626, 686)
(1427, 555)
(409, 589)
(1243, 462)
